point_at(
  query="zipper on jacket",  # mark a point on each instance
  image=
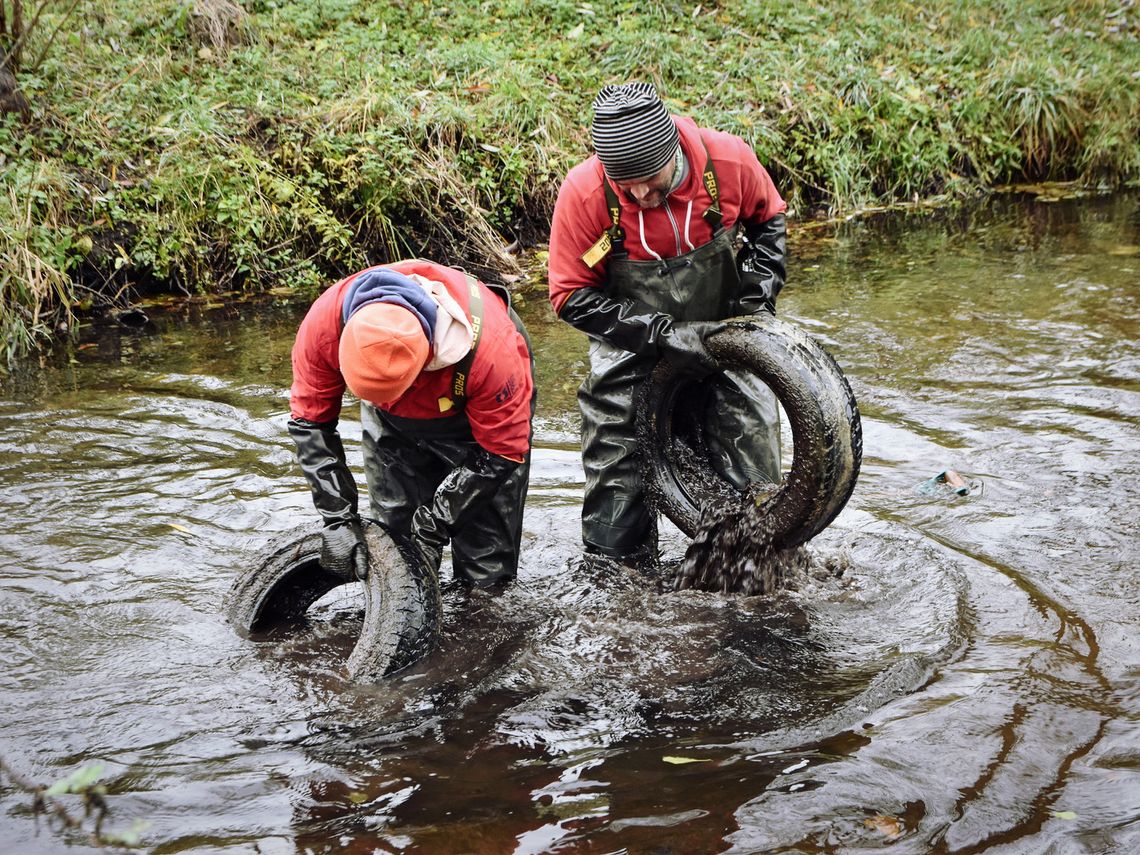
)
(673, 223)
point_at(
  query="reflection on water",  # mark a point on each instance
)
(967, 684)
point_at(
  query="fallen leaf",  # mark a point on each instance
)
(181, 528)
(681, 761)
(954, 479)
(1065, 814)
(889, 826)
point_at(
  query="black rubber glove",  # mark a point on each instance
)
(466, 488)
(626, 324)
(321, 455)
(429, 538)
(631, 325)
(761, 263)
(343, 550)
(684, 346)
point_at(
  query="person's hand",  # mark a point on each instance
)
(684, 346)
(343, 550)
(429, 537)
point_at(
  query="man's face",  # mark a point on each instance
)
(649, 192)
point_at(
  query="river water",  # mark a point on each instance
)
(969, 683)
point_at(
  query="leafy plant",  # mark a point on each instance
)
(211, 145)
(84, 782)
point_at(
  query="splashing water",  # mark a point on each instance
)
(733, 553)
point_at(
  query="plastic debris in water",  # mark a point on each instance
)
(947, 481)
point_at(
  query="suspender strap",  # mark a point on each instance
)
(712, 214)
(615, 231)
(463, 366)
(612, 238)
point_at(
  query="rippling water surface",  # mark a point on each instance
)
(969, 683)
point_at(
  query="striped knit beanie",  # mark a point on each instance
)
(633, 133)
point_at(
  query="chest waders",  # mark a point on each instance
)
(741, 415)
(405, 460)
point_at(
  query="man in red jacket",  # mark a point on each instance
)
(443, 370)
(643, 259)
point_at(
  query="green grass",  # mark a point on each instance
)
(331, 133)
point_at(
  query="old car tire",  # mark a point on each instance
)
(819, 404)
(402, 598)
(402, 612)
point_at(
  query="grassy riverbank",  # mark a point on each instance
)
(198, 145)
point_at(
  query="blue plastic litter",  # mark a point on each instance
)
(947, 482)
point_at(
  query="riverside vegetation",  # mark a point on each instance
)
(210, 146)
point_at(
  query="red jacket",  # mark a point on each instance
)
(746, 190)
(499, 388)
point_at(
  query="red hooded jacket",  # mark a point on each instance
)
(747, 195)
(499, 387)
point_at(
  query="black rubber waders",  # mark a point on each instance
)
(827, 434)
(402, 599)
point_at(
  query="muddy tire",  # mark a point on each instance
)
(820, 406)
(402, 599)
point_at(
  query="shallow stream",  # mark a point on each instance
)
(970, 683)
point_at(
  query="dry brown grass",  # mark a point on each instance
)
(219, 24)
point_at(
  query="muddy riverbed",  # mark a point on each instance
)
(969, 683)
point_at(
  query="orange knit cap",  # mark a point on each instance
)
(383, 348)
